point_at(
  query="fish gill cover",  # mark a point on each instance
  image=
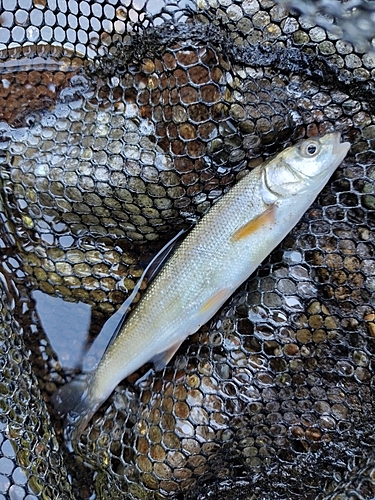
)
(121, 123)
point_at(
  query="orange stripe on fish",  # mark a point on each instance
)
(268, 216)
(214, 302)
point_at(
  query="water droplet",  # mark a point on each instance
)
(257, 314)
(292, 256)
(279, 316)
(32, 33)
(121, 14)
(293, 302)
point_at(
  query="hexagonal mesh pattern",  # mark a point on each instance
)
(31, 465)
(122, 122)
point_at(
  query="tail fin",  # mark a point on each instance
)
(75, 401)
(68, 397)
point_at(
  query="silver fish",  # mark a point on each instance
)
(219, 254)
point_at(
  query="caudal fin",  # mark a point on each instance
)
(74, 401)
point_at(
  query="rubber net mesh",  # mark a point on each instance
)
(121, 123)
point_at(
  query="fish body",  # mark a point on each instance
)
(219, 254)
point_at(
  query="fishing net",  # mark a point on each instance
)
(120, 124)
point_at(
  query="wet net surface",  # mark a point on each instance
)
(110, 143)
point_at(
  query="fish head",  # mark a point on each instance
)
(307, 165)
(318, 156)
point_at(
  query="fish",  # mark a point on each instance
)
(216, 257)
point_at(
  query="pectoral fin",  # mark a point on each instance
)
(161, 359)
(266, 217)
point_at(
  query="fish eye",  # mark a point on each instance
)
(310, 149)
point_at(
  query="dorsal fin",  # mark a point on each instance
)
(114, 324)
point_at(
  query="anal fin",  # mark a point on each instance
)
(161, 359)
(213, 303)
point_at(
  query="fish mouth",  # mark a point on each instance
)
(340, 148)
